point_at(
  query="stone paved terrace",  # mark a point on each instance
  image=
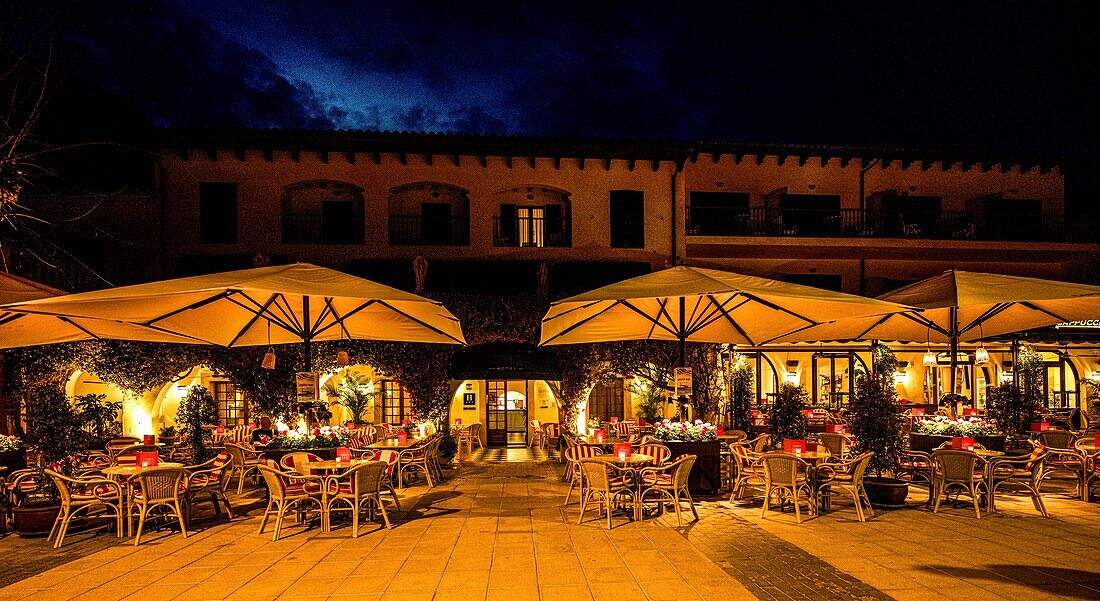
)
(497, 530)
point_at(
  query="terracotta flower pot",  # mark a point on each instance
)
(886, 492)
(35, 521)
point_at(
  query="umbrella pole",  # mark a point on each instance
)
(954, 345)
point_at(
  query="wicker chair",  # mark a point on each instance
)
(1025, 471)
(747, 469)
(128, 455)
(419, 458)
(836, 444)
(659, 452)
(1064, 456)
(79, 495)
(847, 477)
(603, 482)
(158, 487)
(1091, 476)
(292, 462)
(759, 444)
(785, 477)
(619, 429)
(209, 479)
(288, 491)
(359, 486)
(671, 482)
(573, 456)
(954, 468)
(736, 435)
(117, 444)
(243, 461)
(536, 434)
(550, 434)
(464, 438)
(389, 457)
(477, 430)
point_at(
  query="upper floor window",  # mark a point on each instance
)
(627, 219)
(718, 214)
(323, 212)
(533, 216)
(218, 212)
(429, 214)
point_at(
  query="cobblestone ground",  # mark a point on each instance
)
(496, 529)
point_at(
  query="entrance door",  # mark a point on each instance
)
(506, 417)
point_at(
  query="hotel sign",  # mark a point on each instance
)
(1085, 324)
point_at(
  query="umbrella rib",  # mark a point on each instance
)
(988, 314)
(78, 326)
(270, 317)
(419, 321)
(573, 310)
(288, 314)
(730, 318)
(776, 307)
(327, 310)
(877, 323)
(10, 317)
(227, 294)
(336, 320)
(255, 317)
(655, 322)
(717, 312)
(1034, 307)
(662, 304)
(924, 321)
(321, 315)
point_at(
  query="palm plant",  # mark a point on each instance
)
(356, 395)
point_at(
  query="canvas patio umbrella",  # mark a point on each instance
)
(268, 305)
(689, 304)
(23, 329)
(964, 306)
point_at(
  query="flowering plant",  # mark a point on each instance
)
(10, 443)
(321, 438)
(685, 431)
(941, 425)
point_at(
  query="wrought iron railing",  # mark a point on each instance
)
(859, 223)
(420, 230)
(313, 228)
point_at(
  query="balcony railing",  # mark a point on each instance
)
(419, 230)
(554, 232)
(314, 228)
(860, 223)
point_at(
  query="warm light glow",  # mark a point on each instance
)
(141, 423)
(269, 360)
(342, 359)
(1006, 376)
(281, 426)
(1095, 376)
(901, 376)
(981, 356)
(929, 359)
(791, 377)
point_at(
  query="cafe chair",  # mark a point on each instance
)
(550, 434)
(836, 444)
(847, 477)
(1064, 456)
(243, 461)
(748, 471)
(1025, 471)
(785, 479)
(659, 452)
(291, 462)
(419, 458)
(78, 496)
(670, 481)
(128, 455)
(619, 429)
(209, 479)
(115, 445)
(956, 469)
(158, 487)
(359, 488)
(389, 457)
(287, 491)
(603, 483)
(573, 457)
(536, 434)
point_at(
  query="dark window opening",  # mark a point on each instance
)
(811, 214)
(627, 219)
(718, 214)
(339, 223)
(217, 213)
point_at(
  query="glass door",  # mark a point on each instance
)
(506, 412)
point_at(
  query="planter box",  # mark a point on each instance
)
(705, 477)
(13, 460)
(926, 443)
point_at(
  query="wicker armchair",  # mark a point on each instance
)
(748, 470)
(358, 488)
(117, 444)
(785, 478)
(847, 477)
(550, 434)
(420, 458)
(128, 455)
(1025, 471)
(79, 495)
(619, 429)
(759, 444)
(1091, 475)
(836, 444)
(670, 481)
(659, 452)
(292, 462)
(209, 479)
(158, 487)
(1064, 456)
(603, 482)
(288, 491)
(958, 469)
(243, 461)
(389, 457)
(573, 456)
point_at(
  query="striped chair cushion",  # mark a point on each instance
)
(621, 429)
(576, 453)
(390, 457)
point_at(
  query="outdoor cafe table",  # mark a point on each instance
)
(329, 465)
(125, 472)
(393, 444)
(631, 463)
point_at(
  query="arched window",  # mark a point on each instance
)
(322, 212)
(429, 214)
(533, 216)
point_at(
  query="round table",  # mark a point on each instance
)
(128, 471)
(631, 463)
(329, 465)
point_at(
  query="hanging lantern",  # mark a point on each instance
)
(929, 359)
(981, 356)
(342, 359)
(269, 360)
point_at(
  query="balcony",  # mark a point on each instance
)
(866, 223)
(420, 230)
(315, 228)
(548, 232)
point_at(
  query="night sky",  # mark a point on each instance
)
(1006, 77)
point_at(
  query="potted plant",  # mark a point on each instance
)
(786, 419)
(697, 438)
(876, 422)
(652, 406)
(53, 433)
(168, 435)
(355, 394)
(930, 433)
(1015, 405)
(196, 413)
(98, 417)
